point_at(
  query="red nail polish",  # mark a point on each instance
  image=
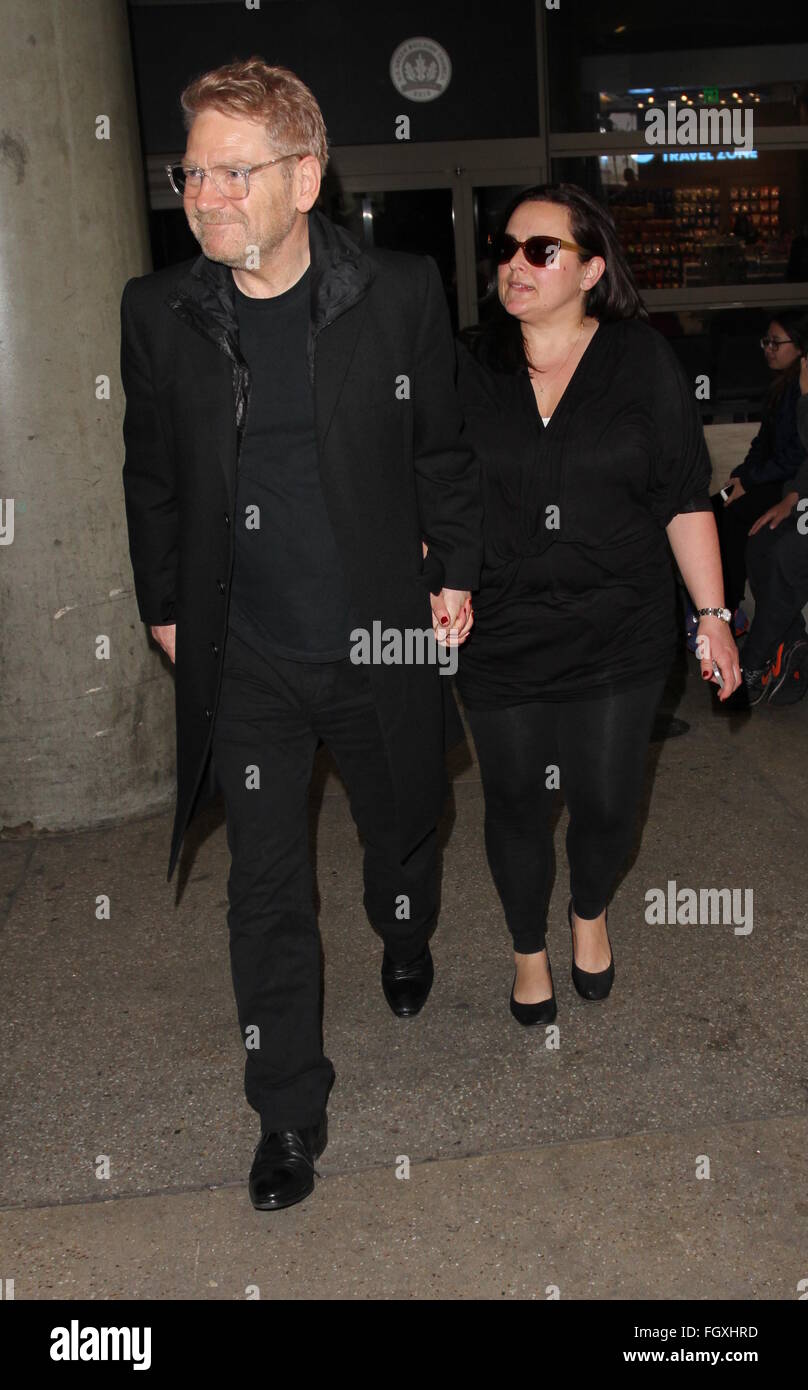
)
(444, 621)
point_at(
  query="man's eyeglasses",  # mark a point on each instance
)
(539, 250)
(774, 342)
(231, 181)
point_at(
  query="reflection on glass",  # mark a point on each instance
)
(416, 220)
(693, 219)
(774, 103)
(604, 74)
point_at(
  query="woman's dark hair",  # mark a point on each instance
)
(499, 340)
(794, 323)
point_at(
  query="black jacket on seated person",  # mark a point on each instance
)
(799, 483)
(776, 451)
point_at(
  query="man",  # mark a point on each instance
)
(294, 471)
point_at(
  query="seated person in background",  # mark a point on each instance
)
(774, 456)
(775, 655)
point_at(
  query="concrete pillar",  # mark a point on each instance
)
(83, 740)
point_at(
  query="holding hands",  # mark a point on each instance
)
(452, 614)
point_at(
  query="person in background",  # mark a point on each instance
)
(774, 457)
(592, 457)
(775, 654)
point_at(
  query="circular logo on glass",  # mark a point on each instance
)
(420, 69)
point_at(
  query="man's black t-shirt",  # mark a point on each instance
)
(289, 588)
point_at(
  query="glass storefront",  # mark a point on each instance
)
(701, 220)
(716, 233)
(604, 73)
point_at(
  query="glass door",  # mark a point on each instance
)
(433, 199)
(419, 220)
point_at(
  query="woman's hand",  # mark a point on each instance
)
(464, 621)
(736, 489)
(715, 643)
(779, 512)
(804, 375)
(452, 616)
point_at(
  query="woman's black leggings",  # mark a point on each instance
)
(594, 751)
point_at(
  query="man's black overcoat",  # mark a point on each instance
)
(393, 466)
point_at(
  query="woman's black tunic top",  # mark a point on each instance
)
(577, 592)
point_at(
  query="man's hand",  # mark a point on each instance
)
(451, 609)
(166, 637)
(779, 512)
(736, 489)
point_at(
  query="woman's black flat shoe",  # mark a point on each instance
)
(592, 984)
(543, 1012)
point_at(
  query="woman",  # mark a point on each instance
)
(774, 455)
(591, 451)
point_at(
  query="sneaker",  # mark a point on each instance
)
(740, 622)
(793, 679)
(756, 685)
(755, 689)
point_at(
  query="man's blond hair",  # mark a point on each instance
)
(252, 89)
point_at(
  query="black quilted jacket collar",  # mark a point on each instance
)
(340, 276)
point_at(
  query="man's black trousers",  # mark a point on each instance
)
(271, 714)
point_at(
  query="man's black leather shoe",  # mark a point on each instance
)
(406, 987)
(283, 1167)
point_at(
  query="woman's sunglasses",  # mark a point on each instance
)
(539, 250)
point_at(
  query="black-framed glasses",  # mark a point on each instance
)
(774, 342)
(232, 181)
(539, 250)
